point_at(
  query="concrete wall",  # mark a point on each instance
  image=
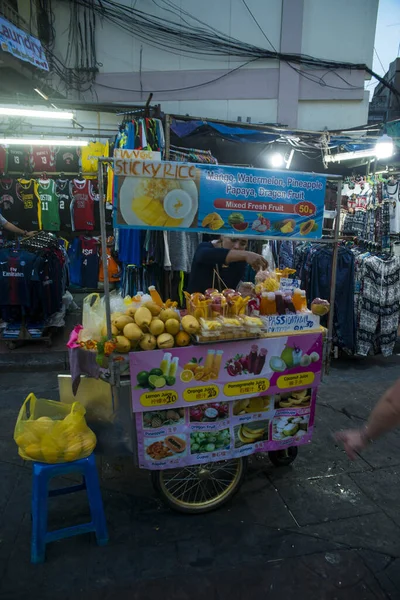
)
(265, 91)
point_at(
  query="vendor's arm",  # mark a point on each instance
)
(383, 418)
(10, 227)
(222, 256)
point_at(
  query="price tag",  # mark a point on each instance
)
(291, 381)
(158, 398)
(201, 394)
(305, 209)
(244, 388)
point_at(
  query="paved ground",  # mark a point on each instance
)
(322, 529)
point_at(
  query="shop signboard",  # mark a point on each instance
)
(22, 45)
(218, 199)
(207, 403)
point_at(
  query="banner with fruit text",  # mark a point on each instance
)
(209, 198)
(213, 402)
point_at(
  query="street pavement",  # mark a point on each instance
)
(322, 529)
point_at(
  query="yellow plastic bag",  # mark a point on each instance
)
(93, 318)
(52, 432)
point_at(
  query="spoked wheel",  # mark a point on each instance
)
(200, 488)
(283, 458)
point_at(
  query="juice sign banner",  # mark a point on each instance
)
(227, 200)
(182, 377)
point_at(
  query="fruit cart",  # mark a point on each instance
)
(197, 411)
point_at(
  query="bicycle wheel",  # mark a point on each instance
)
(200, 488)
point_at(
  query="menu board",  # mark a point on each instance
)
(207, 403)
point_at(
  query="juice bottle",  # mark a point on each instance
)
(173, 367)
(271, 303)
(280, 305)
(303, 301)
(297, 299)
(165, 363)
(289, 306)
(217, 364)
(209, 362)
(155, 296)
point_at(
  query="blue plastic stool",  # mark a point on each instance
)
(42, 473)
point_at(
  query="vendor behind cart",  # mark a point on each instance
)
(226, 256)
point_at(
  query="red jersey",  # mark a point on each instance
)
(3, 159)
(82, 205)
(42, 158)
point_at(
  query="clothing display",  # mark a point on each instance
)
(90, 155)
(30, 214)
(10, 205)
(17, 159)
(49, 204)
(33, 278)
(42, 158)
(89, 262)
(140, 134)
(82, 205)
(67, 159)
(64, 194)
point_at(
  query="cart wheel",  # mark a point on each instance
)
(200, 488)
(283, 458)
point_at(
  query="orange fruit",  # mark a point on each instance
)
(186, 376)
(182, 339)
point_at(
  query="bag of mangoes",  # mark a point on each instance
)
(52, 432)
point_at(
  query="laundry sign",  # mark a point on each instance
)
(22, 45)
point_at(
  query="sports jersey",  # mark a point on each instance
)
(42, 158)
(90, 262)
(10, 204)
(90, 155)
(31, 211)
(49, 205)
(16, 267)
(82, 205)
(67, 159)
(17, 159)
(63, 191)
(3, 159)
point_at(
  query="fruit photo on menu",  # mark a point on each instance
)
(251, 433)
(294, 399)
(251, 405)
(290, 428)
(163, 418)
(166, 447)
(210, 441)
(208, 413)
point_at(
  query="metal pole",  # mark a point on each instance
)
(103, 235)
(167, 136)
(333, 278)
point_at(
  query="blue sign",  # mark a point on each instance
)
(226, 200)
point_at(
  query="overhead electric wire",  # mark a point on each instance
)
(200, 40)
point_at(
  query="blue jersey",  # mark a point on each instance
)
(16, 277)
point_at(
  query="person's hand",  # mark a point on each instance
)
(354, 441)
(256, 261)
(30, 233)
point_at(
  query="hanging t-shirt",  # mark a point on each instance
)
(3, 159)
(64, 194)
(42, 158)
(16, 267)
(49, 201)
(114, 271)
(392, 192)
(67, 159)
(90, 155)
(90, 262)
(31, 213)
(82, 205)
(10, 204)
(17, 159)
